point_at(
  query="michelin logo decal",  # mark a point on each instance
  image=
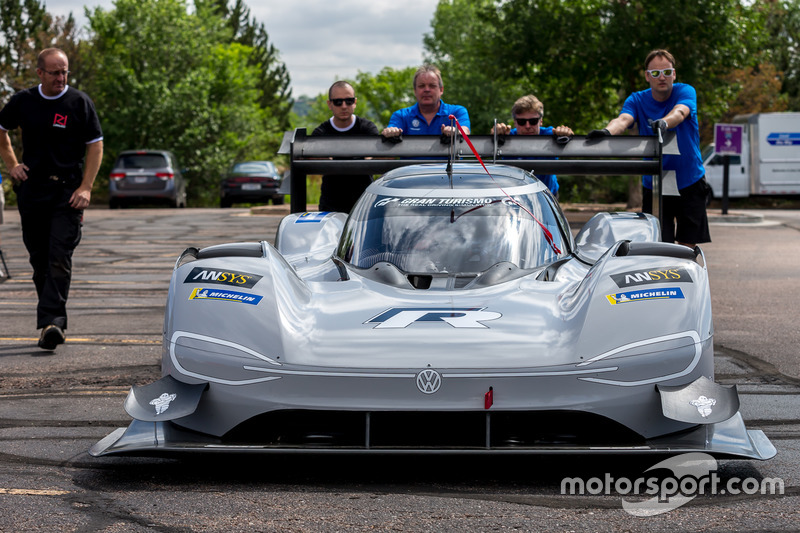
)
(645, 295)
(201, 293)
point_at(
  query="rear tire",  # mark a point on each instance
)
(277, 200)
(225, 203)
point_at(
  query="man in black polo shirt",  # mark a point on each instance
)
(339, 192)
(53, 182)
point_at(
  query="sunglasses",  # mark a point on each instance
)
(523, 121)
(339, 101)
(668, 72)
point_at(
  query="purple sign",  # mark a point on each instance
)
(728, 139)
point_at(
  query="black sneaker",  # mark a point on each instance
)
(51, 337)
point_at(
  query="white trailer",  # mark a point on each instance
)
(770, 160)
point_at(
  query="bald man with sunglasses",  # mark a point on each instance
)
(668, 105)
(339, 192)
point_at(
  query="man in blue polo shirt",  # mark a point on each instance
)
(429, 116)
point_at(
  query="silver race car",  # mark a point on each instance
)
(452, 312)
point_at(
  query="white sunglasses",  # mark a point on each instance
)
(668, 72)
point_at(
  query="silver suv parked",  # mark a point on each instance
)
(146, 176)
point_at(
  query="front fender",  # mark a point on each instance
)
(258, 303)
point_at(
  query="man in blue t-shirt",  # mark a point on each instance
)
(429, 116)
(527, 113)
(667, 105)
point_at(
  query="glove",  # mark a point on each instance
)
(596, 134)
(658, 125)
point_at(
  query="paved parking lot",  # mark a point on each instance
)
(54, 406)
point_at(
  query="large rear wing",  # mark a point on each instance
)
(610, 156)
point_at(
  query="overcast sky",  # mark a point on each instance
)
(323, 40)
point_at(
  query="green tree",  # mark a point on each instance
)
(23, 23)
(379, 95)
(780, 45)
(189, 89)
(275, 82)
(709, 40)
(493, 52)
(582, 58)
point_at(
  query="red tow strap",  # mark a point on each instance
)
(547, 235)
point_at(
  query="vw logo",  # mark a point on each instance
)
(429, 381)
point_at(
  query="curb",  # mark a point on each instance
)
(715, 216)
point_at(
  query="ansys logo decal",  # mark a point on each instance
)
(201, 293)
(467, 317)
(643, 277)
(645, 295)
(222, 277)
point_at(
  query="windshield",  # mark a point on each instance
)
(451, 235)
(141, 161)
(254, 168)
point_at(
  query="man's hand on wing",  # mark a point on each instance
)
(659, 125)
(392, 132)
(502, 129)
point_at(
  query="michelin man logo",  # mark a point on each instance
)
(162, 402)
(704, 405)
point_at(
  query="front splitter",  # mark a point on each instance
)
(729, 439)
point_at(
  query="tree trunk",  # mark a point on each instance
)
(634, 193)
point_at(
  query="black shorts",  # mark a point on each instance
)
(688, 209)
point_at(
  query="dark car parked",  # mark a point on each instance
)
(251, 182)
(146, 176)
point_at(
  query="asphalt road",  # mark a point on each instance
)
(54, 406)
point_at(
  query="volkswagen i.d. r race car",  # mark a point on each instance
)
(451, 312)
